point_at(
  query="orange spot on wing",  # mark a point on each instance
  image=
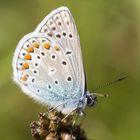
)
(30, 49)
(25, 66)
(27, 57)
(56, 48)
(47, 46)
(24, 78)
(36, 45)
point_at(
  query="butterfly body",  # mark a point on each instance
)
(48, 65)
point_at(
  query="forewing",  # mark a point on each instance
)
(60, 26)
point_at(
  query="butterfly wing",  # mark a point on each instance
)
(60, 26)
(48, 62)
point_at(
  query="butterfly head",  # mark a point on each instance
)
(90, 99)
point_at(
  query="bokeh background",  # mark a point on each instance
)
(110, 41)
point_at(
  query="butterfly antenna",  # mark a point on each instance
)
(106, 84)
(100, 95)
(110, 83)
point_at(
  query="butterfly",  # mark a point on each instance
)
(48, 66)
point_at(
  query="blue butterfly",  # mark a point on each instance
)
(48, 66)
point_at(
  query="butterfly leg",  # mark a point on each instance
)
(80, 116)
(52, 109)
(68, 114)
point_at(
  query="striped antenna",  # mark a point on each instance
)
(110, 83)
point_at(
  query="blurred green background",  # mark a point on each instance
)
(110, 40)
